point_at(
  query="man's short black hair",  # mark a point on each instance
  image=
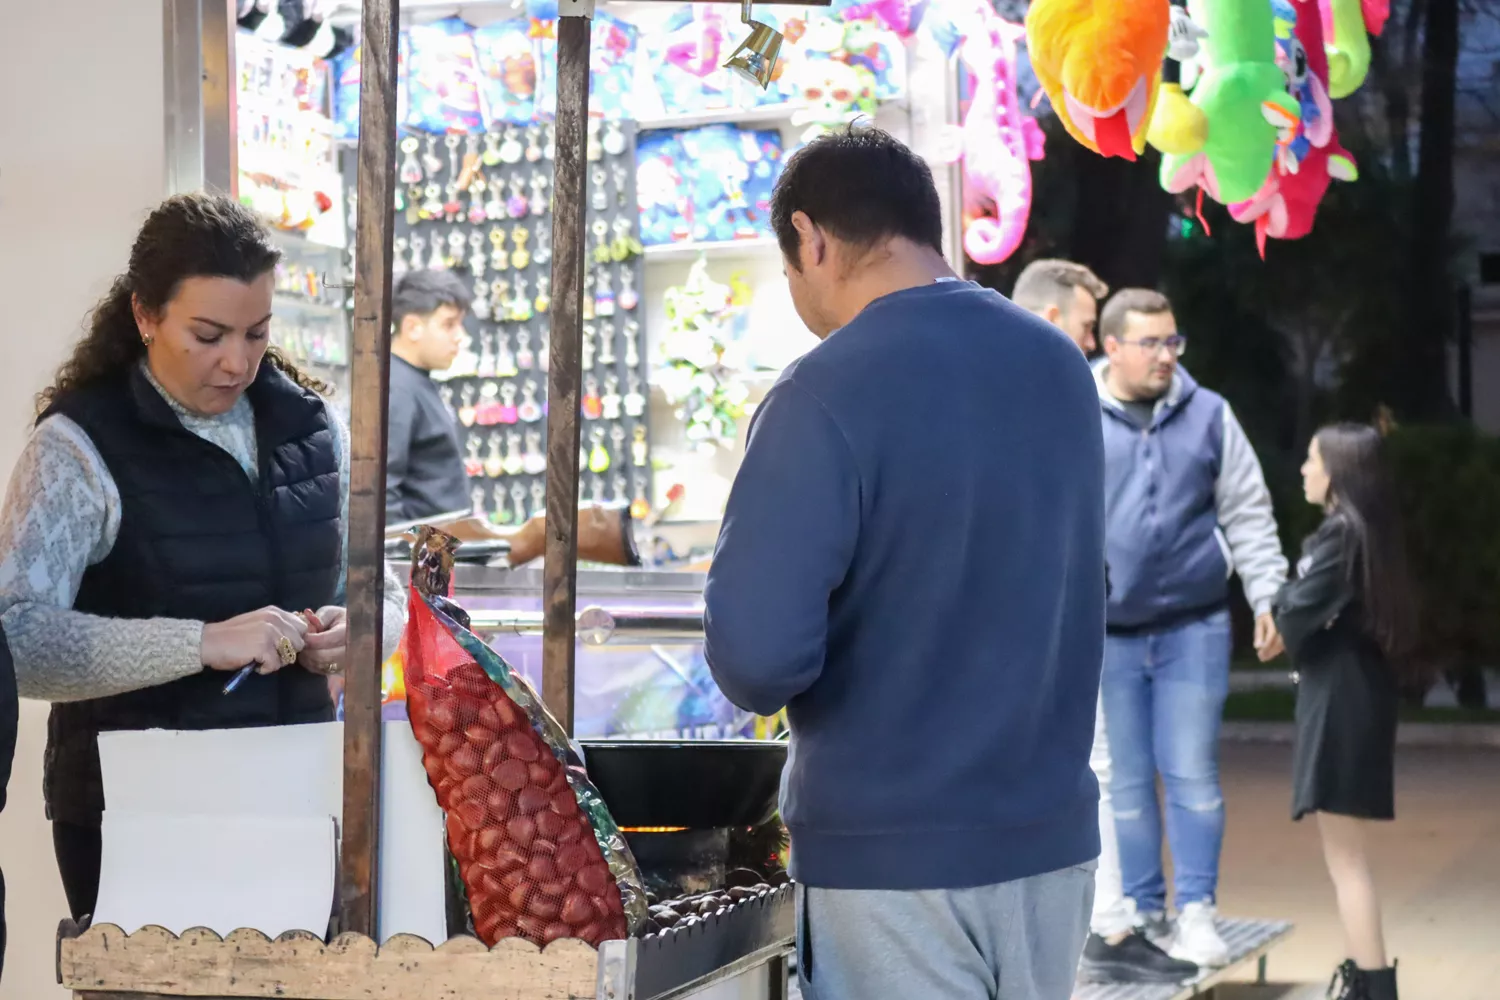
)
(422, 293)
(863, 186)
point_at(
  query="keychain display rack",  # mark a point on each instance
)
(480, 205)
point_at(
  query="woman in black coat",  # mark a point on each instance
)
(1344, 619)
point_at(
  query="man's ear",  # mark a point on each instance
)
(1051, 313)
(411, 327)
(812, 247)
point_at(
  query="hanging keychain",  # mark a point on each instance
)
(508, 412)
(501, 514)
(413, 208)
(480, 307)
(457, 243)
(602, 253)
(591, 406)
(430, 160)
(436, 261)
(411, 170)
(632, 344)
(510, 146)
(538, 203)
(533, 143)
(491, 155)
(477, 212)
(452, 207)
(446, 395)
(595, 149)
(525, 356)
(473, 464)
(520, 306)
(620, 178)
(609, 404)
(628, 297)
(529, 411)
(538, 497)
(598, 455)
(518, 501)
(619, 483)
(543, 300)
(520, 257)
(596, 490)
(640, 507)
(588, 295)
(604, 296)
(478, 262)
(487, 414)
(505, 359)
(398, 255)
(543, 251)
(476, 501)
(533, 461)
(614, 139)
(515, 205)
(550, 150)
(494, 465)
(451, 142)
(486, 365)
(607, 345)
(600, 199)
(587, 347)
(494, 206)
(512, 463)
(432, 202)
(635, 403)
(638, 448)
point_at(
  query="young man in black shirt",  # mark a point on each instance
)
(424, 468)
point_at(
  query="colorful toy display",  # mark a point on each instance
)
(1243, 97)
(708, 184)
(444, 80)
(1310, 156)
(701, 357)
(1098, 62)
(998, 145)
(508, 65)
(1347, 26)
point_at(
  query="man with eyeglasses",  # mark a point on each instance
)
(1186, 507)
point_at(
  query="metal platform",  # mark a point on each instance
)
(1248, 940)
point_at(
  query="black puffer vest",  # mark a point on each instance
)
(198, 540)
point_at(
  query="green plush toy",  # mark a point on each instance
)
(1242, 95)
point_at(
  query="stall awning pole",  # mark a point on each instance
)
(368, 378)
(560, 569)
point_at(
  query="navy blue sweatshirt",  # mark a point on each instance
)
(912, 562)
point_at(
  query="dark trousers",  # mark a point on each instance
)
(78, 848)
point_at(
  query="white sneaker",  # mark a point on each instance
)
(1197, 939)
(1156, 925)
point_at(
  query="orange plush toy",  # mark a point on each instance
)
(1099, 62)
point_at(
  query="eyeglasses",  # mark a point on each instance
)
(1176, 344)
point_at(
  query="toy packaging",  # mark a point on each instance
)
(444, 78)
(508, 61)
(346, 88)
(706, 184)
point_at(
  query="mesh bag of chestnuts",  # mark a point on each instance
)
(538, 852)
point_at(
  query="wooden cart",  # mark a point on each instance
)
(104, 963)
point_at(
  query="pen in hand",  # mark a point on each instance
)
(245, 671)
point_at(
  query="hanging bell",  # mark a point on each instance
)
(755, 59)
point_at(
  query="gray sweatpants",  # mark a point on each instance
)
(1012, 941)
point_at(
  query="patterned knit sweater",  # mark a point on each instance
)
(62, 515)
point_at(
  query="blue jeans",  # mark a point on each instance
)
(1163, 704)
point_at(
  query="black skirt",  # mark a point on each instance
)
(1344, 761)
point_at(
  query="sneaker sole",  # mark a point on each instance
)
(1104, 974)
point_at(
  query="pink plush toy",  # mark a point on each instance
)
(998, 143)
(1308, 159)
(696, 48)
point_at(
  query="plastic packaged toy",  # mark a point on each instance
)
(444, 78)
(507, 57)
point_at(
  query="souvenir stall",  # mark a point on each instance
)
(542, 894)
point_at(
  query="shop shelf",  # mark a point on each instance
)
(754, 247)
(763, 115)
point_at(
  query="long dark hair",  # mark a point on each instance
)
(187, 236)
(1362, 500)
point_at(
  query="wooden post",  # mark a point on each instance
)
(560, 568)
(368, 379)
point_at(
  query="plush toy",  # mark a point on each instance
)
(1346, 31)
(1310, 156)
(1242, 94)
(1177, 125)
(998, 143)
(900, 16)
(1098, 62)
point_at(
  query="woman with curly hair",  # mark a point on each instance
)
(179, 504)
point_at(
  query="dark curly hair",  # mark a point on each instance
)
(187, 236)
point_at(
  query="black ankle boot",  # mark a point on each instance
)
(1349, 983)
(1380, 984)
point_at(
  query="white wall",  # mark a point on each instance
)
(81, 162)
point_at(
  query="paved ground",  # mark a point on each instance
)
(1438, 865)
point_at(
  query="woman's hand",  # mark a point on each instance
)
(326, 641)
(255, 638)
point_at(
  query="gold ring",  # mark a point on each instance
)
(287, 651)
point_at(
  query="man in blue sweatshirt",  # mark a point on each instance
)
(912, 562)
